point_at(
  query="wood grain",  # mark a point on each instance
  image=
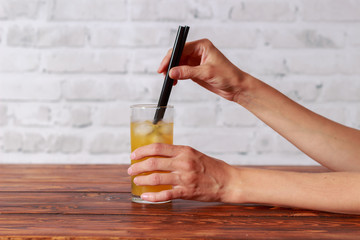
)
(65, 202)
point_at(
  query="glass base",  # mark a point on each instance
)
(137, 199)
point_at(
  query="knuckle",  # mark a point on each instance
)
(181, 193)
(152, 163)
(206, 42)
(189, 165)
(157, 148)
(156, 179)
(168, 195)
(189, 151)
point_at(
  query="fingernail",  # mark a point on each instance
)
(145, 196)
(174, 73)
(129, 171)
(132, 155)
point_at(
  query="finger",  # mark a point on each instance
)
(151, 164)
(189, 72)
(165, 195)
(165, 62)
(156, 179)
(155, 149)
(194, 48)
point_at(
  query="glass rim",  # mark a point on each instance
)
(150, 106)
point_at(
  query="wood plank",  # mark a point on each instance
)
(120, 203)
(70, 173)
(65, 187)
(35, 171)
(66, 202)
(135, 226)
(81, 178)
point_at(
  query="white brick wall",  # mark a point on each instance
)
(70, 69)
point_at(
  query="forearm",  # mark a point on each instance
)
(333, 192)
(332, 144)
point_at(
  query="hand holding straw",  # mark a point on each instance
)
(168, 82)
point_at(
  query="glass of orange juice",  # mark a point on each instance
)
(144, 132)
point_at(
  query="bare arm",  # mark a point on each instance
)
(197, 176)
(331, 144)
(194, 175)
(333, 192)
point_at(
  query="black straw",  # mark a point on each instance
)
(168, 82)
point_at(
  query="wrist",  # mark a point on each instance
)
(247, 88)
(234, 190)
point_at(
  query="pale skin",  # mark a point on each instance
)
(197, 176)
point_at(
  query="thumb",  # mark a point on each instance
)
(184, 72)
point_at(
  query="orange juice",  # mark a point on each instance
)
(144, 133)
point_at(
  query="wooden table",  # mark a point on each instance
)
(93, 202)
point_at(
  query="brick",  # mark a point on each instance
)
(3, 10)
(300, 88)
(27, 9)
(79, 61)
(108, 143)
(3, 115)
(262, 10)
(353, 36)
(349, 63)
(313, 63)
(346, 90)
(18, 61)
(260, 63)
(234, 115)
(284, 146)
(61, 36)
(202, 9)
(113, 62)
(156, 10)
(265, 141)
(81, 117)
(130, 36)
(66, 143)
(241, 37)
(331, 10)
(12, 141)
(32, 115)
(356, 120)
(146, 61)
(33, 143)
(1, 35)
(335, 113)
(145, 88)
(116, 114)
(104, 89)
(21, 36)
(38, 88)
(189, 91)
(215, 140)
(96, 10)
(196, 114)
(305, 38)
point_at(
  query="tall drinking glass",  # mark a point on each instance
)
(144, 132)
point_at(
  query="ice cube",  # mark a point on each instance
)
(157, 138)
(166, 128)
(144, 128)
